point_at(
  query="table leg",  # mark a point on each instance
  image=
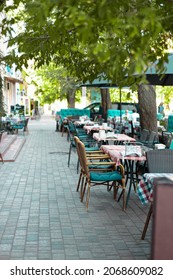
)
(147, 222)
(130, 164)
(132, 173)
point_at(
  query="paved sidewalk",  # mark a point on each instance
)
(41, 216)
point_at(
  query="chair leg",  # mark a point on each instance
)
(115, 191)
(83, 189)
(147, 222)
(124, 200)
(79, 181)
(87, 197)
(123, 193)
(120, 196)
(1, 157)
(78, 166)
(69, 155)
(68, 137)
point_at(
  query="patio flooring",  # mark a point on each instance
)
(10, 146)
(41, 216)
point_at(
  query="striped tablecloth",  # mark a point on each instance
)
(145, 186)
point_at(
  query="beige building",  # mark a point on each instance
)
(14, 88)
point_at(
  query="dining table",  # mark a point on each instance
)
(145, 185)
(117, 138)
(145, 192)
(96, 127)
(118, 154)
(84, 123)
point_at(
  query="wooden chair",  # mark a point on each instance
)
(92, 156)
(115, 179)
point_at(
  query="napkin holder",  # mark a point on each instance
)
(159, 146)
(102, 133)
(104, 125)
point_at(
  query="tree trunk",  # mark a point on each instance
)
(71, 98)
(147, 107)
(106, 102)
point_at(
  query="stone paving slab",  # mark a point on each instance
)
(14, 149)
(6, 141)
(41, 216)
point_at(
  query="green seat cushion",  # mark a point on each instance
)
(108, 176)
(95, 166)
(83, 136)
(90, 149)
(18, 126)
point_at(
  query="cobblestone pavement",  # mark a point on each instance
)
(41, 216)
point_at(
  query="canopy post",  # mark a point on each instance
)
(120, 107)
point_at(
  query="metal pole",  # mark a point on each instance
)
(120, 108)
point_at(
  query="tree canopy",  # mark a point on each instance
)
(53, 83)
(89, 38)
(114, 39)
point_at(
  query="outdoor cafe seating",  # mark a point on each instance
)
(113, 168)
(160, 164)
(15, 123)
(122, 138)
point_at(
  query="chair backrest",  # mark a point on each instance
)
(166, 138)
(77, 140)
(70, 136)
(170, 123)
(144, 135)
(82, 157)
(160, 161)
(119, 128)
(171, 145)
(26, 123)
(72, 127)
(152, 137)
